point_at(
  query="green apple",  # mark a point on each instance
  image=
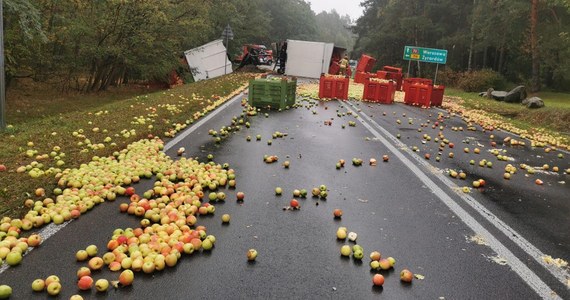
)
(5, 291)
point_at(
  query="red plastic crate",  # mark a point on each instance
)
(411, 93)
(333, 87)
(365, 64)
(382, 92)
(392, 69)
(382, 75)
(437, 95)
(424, 95)
(361, 77)
(334, 68)
(414, 80)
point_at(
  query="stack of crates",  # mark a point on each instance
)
(363, 68)
(333, 87)
(273, 93)
(381, 91)
(422, 92)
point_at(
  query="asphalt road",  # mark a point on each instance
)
(407, 208)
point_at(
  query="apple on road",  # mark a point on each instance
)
(54, 288)
(101, 285)
(126, 277)
(5, 291)
(38, 285)
(96, 263)
(85, 283)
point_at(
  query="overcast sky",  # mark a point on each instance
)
(342, 7)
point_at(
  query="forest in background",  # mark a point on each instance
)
(515, 38)
(90, 45)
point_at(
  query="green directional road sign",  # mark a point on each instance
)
(436, 56)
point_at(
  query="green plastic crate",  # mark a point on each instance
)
(276, 93)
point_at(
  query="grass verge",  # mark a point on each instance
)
(548, 125)
(66, 132)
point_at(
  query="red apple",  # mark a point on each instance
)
(337, 213)
(34, 240)
(240, 196)
(294, 203)
(130, 191)
(378, 280)
(2, 168)
(85, 283)
(127, 277)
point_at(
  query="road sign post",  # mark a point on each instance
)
(429, 55)
(227, 34)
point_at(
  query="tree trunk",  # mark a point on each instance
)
(485, 53)
(535, 81)
(472, 37)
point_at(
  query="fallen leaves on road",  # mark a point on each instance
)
(478, 239)
(496, 259)
(558, 262)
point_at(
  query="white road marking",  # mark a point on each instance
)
(541, 288)
(52, 228)
(205, 119)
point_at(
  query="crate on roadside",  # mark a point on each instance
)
(333, 87)
(437, 95)
(418, 94)
(379, 90)
(275, 93)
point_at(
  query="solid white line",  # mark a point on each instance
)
(541, 288)
(52, 228)
(205, 119)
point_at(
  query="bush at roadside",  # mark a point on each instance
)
(481, 80)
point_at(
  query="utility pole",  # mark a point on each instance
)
(2, 79)
(227, 34)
